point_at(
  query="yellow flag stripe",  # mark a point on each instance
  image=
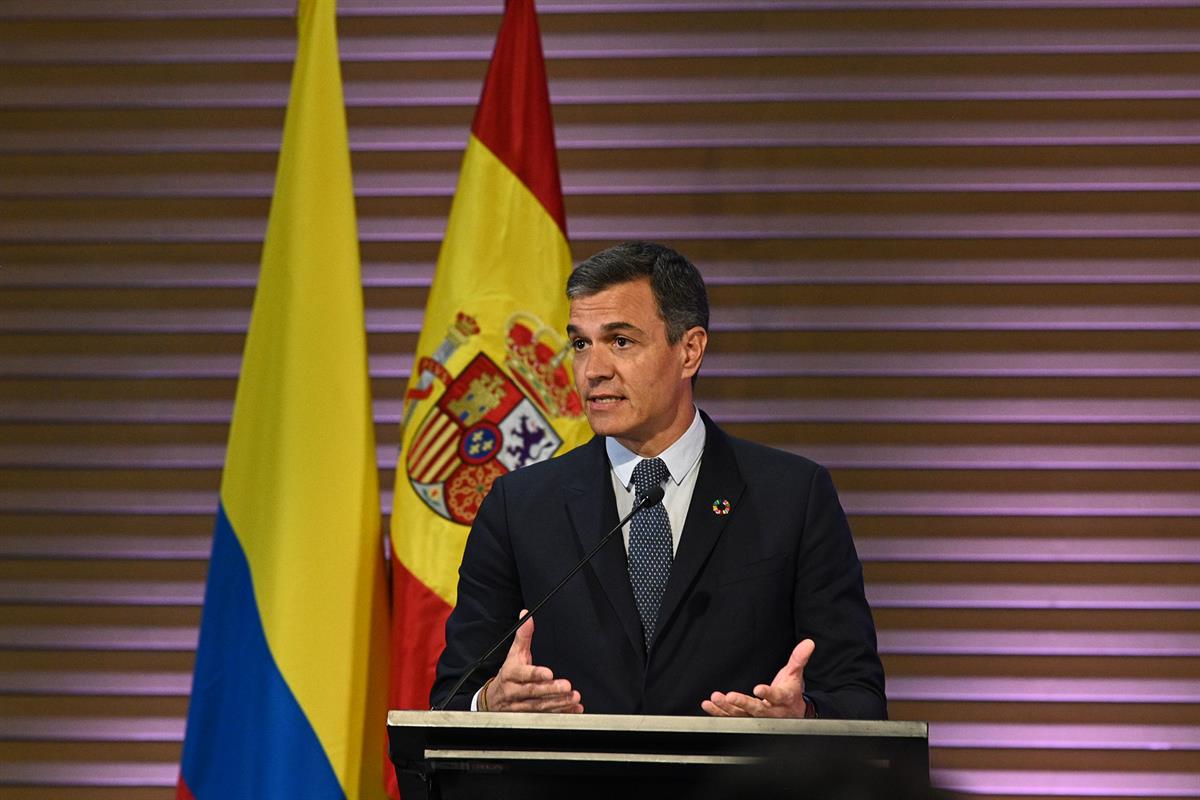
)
(502, 254)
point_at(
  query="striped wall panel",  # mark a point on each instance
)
(954, 254)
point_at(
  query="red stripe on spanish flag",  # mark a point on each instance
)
(492, 390)
(513, 118)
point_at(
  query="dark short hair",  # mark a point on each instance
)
(675, 283)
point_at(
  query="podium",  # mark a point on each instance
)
(446, 755)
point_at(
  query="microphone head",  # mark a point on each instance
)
(652, 497)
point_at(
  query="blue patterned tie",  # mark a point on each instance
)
(650, 550)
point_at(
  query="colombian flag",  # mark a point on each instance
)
(491, 388)
(289, 692)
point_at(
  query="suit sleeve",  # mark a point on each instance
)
(844, 678)
(489, 599)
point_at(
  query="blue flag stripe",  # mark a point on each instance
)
(246, 735)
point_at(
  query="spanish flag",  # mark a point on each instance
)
(491, 388)
(289, 690)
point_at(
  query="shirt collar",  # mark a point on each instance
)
(680, 457)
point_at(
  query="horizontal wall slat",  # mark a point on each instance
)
(1065, 504)
(73, 637)
(131, 729)
(1057, 643)
(234, 9)
(1099, 737)
(909, 642)
(262, 41)
(99, 683)
(1092, 784)
(93, 227)
(633, 183)
(914, 457)
(930, 642)
(1046, 690)
(103, 592)
(1063, 365)
(907, 548)
(753, 318)
(824, 125)
(67, 773)
(1033, 271)
(1036, 596)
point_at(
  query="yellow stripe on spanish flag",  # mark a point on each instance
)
(491, 389)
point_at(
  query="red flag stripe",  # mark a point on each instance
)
(418, 636)
(513, 118)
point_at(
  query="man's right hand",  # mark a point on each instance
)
(520, 686)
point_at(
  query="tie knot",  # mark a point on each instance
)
(647, 473)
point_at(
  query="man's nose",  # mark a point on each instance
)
(598, 365)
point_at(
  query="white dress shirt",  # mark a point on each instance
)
(682, 458)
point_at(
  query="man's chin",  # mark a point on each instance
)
(604, 423)
(600, 427)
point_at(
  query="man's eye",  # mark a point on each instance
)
(621, 341)
(578, 344)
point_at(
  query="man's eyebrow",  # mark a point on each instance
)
(608, 327)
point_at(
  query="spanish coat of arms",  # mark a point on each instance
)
(490, 419)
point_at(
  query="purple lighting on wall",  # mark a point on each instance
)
(1069, 783)
(955, 243)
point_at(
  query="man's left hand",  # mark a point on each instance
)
(783, 698)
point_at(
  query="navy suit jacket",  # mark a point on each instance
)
(744, 588)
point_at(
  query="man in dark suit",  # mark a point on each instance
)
(739, 595)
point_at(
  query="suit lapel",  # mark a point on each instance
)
(719, 479)
(592, 508)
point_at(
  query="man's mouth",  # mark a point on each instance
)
(604, 399)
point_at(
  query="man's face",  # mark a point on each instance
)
(635, 386)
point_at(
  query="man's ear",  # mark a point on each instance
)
(695, 342)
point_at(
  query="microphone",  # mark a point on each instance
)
(652, 497)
